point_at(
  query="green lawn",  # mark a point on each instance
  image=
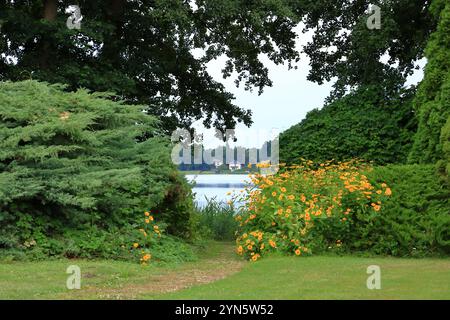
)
(219, 274)
(114, 279)
(321, 277)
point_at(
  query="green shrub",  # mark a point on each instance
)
(346, 208)
(416, 220)
(366, 124)
(307, 208)
(432, 102)
(216, 221)
(95, 243)
(444, 164)
(78, 166)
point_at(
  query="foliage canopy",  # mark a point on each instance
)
(155, 53)
(432, 102)
(365, 124)
(145, 51)
(78, 160)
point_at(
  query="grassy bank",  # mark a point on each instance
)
(219, 274)
(109, 279)
(326, 277)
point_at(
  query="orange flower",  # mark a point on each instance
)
(272, 244)
(388, 191)
(298, 252)
(147, 214)
(146, 257)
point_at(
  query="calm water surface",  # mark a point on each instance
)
(216, 186)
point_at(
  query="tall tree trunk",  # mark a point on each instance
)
(50, 9)
(49, 14)
(111, 47)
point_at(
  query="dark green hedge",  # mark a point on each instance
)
(365, 124)
(78, 161)
(432, 102)
(416, 219)
(413, 222)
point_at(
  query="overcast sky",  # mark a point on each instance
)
(280, 106)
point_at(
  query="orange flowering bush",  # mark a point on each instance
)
(150, 234)
(306, 207)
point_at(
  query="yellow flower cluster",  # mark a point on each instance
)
(149, 232)
(281, 209)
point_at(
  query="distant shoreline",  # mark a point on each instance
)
(212, 172)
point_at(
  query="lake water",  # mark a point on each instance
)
(216, 186)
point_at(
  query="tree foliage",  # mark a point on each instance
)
(365, 124)
(344, 49)
(416, 221)
(148, 51)
(432, 102)
(145, 51)
(77, 160)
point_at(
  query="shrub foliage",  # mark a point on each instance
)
(346, 207)
(432, 102)
(365, 124)
(75, 161)
(307, 207)
(416, 220)
(216, 220)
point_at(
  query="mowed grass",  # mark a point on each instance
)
(323, 277)
(219, 274)
(47, 280)
(108, 279)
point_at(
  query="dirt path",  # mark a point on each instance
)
(208, 269)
